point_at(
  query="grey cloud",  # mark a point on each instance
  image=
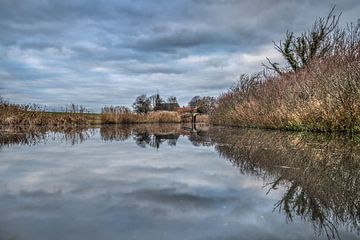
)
(57, 52)
(182, 38)
(48, 10)
(39, 194)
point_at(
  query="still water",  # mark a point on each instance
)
(177, 182)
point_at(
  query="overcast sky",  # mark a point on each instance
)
(97, 53)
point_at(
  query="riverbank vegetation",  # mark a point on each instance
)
(154, 109)
(15, 114)
(318, 89)
(123, 115)
(151, 109)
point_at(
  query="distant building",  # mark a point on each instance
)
(166, 107)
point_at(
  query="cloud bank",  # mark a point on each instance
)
(101, 53)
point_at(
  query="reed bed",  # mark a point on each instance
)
(122, 115)
(200, 118)
(33, 115)
(323, 96)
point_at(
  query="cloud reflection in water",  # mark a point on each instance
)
(175, 186)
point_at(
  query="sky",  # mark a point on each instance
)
(101, 53)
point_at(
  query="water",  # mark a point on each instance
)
(175, 182)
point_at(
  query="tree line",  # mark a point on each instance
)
(144, 104)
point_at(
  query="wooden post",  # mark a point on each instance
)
(193, 119)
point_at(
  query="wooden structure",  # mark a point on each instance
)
(188, 114)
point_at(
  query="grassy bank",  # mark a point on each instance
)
(32, 115)
(317, 93)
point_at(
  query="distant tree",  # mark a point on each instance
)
(152, 99)
(115, 109)
(142, 104)
(155, 101)
(170, 105)
(194, 101)
(172, 99)
(207, 104)
(203, 104)
(318, 42)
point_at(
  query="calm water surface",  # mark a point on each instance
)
(175, 182)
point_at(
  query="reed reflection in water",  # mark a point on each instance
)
(314, 177)
(320, 173)
(32, 135)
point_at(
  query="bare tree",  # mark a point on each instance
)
(315, 43)
(142, 104)
(203, 104)
(172, 99)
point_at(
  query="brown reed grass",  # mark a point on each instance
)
(324, 96)
(122, 115)
(15, 114)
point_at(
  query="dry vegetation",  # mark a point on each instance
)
(200, 118)
(162, 117)
(321, 95)
(14, 114)
(32, 115)
(122, 115)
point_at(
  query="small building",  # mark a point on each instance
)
(166, 107)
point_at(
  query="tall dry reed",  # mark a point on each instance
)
(324, 96)
(15, 114)
(122, 115)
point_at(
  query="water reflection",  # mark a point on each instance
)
(143, 135)
(155, 135)
(152, 135)
(317, 175)
(26, 135)
(321, 173)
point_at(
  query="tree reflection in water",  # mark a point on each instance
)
(154, 135)
(320, 173)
